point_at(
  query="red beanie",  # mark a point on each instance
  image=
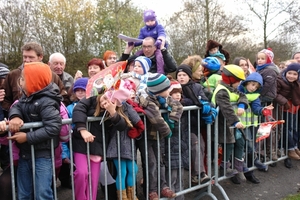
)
(229, 79)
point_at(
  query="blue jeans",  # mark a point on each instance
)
(290, 125)
(43, 179)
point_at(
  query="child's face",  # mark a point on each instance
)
(176, 96)
(252, 86)
(214, 50)
(130, 66)
(198, 73)
(164, 94)
(291, 76)
(138, 68)
(261, 59)
(150, 22)
(132, 95)
(182, 78)
(93, 69)
(80, 93)
(244, 65)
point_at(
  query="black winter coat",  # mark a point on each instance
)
(42, 106)
(83, 109)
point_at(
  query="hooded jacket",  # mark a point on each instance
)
(255, 104)
(40, 103)
(287, 92)
(269, 73)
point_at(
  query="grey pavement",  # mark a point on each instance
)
(275, 184)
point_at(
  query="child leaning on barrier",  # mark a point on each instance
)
(127, 167)
(230, 127)
(193, 94)
(251, 87)
(40, 102)
(288, 97)
(172, 149)
(114, 121)
(158, 98)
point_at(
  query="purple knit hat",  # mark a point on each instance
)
(149, 15)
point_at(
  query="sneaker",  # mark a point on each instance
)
(167, 192)
(195, 180)
(204, 178)
(153, 196)
(293, 155)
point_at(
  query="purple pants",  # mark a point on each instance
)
(81, 180)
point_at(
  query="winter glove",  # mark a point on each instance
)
(158, 43)
(205, 107)
(266, 112)
(133, 133)
(130, 44)
(210, 117)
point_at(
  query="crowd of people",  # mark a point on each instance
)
(152, 81)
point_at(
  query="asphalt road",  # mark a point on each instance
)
(275, 184)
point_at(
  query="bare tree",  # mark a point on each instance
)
(199, 21)
(271, 14)
(15, 29)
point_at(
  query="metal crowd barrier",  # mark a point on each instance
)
(186, 188)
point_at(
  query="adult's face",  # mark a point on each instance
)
(57, 64)
(31, 56)
(148, 48)
(297, 57)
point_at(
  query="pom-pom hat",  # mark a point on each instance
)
(157, 83)
(270, 55)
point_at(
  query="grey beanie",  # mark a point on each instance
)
(3, 70)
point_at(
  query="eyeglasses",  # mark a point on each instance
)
(147, 47)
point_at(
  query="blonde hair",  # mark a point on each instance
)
(119, 110)
(193, 61)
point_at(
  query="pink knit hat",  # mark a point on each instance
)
(121, 94)
(269, 53)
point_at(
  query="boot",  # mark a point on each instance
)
(238, 165)
(235, 179)
(260, 166)
(250, 177)
(229, 171)
(131, 193)
(124, 195)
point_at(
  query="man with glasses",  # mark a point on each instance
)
(148, 50)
